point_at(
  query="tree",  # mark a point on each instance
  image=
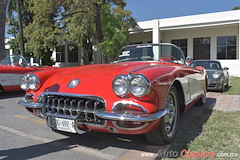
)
(21, 40)
(78, 23)
(15, 28)
(43, 33)
(2, 28)
(236, 8)
(103, 22)
(116, 22)
(85, 23)
(15, 6)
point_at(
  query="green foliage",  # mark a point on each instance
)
(116, 22)
(236, 8)
(49, 23)
(42, 34)
(79, 23)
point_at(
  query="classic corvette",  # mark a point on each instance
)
(142, 92)
(13, 67)
(218, 77)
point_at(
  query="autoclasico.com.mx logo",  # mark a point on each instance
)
(188, 154)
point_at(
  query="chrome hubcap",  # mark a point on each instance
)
(170, 117)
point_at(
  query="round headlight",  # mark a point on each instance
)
(33, 82)
(216, 75)
(139, 85)
(120, 85)
(24, 82)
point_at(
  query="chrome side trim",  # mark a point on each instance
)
(185, 86)
(144, 68)
(127, 117)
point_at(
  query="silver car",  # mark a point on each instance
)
(218, 77)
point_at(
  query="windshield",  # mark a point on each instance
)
(151, 52)
(14, 60)
(207, 64)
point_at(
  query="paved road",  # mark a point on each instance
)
(24, 136)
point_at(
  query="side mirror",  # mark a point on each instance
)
(226, 68)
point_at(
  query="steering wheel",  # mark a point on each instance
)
(167, 58)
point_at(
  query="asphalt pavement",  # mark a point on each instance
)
(24, 136)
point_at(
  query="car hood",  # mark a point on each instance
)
(97, 77)
(105, 69)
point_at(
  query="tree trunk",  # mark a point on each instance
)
(86, 51)
(2, 29)
(99, 28)
(22, 51)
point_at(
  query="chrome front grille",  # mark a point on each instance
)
(81, 107)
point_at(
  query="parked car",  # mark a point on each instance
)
(13, 67)
(141, 92)
(218, 77)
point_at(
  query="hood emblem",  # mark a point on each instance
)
(73, 83)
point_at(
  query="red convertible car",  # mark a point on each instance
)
(13, 67)
(142, 92)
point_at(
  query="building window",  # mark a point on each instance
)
(226, 47)
(72, 53)
(60, 56)
(182, 43)
(201, 48)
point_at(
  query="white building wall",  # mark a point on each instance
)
(212, 32)
(143, 37)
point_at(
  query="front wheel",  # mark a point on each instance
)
(166, 130)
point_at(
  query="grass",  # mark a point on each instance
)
(234, 88)
(212, 131)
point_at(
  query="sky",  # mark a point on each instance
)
(144, 10)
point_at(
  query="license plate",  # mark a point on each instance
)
(63, 124)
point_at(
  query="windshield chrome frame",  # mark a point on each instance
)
(151, 44)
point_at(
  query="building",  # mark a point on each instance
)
(206, 36)
(8, 50)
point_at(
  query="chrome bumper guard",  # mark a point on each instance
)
(110, 115)
(30, 104)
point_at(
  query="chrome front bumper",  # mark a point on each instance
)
(110, 115)
(134, 118)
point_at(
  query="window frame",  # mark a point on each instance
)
(178, 42)
(60, 54)
(227, 47)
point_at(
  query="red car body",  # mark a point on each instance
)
(129, 96)
(12, 68)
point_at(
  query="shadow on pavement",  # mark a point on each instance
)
(6, 95)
